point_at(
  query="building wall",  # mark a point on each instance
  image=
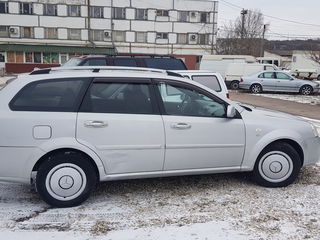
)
(169, 26)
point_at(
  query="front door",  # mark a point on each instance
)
(119, 121)
(198, 134)
(285, 83)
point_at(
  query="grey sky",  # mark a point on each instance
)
(306, 11)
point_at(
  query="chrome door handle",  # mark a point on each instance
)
(180, 126)
(95, 124)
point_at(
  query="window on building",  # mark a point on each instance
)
(74, 11)
(27, 32)
(162, 35)
(11, 57)
(19, 57)
(118, 13)
(63, 58)
(50, 10)
(119, 36)
(142, 14)
(50, 58)
(183, 16)
(141, 37)
(26, 8)
(29, 57)
(37, 57)
(4, 7)
(74, 34)
(97, 35)
(182, 38)
(51, 33)
(203, 39)
(2, 57)
(96, 12)
(204, 17)
(162, 13)
(4, 31)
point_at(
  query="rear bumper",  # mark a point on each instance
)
(244, 85)
(311, 151)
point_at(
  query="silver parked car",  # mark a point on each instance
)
(278, 81)
(65, 130)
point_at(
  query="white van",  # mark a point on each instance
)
(212, 80)
(220, 63)
(236, 71)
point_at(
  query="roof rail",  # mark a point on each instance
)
(99, 68)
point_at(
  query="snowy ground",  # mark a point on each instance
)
(221, 206)
(313, 99)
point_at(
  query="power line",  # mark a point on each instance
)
(269, 16)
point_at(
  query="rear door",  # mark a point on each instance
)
(119, 120)
(268, 81)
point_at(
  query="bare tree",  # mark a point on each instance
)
(242, 36)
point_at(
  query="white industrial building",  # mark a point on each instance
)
(42, 32)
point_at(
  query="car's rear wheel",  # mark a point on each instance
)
(66, 179)
(234, 85)
(256, 88)
(277, 166)
(306, 90)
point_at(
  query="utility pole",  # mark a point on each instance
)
(262, 40)
(213, 27)
(243, 13)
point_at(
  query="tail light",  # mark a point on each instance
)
(241, 79)
(228, 96)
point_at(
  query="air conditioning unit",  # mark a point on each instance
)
(193, 38)
(193, 14)
(14, 31)
(107, 34)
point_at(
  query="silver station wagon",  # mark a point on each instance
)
(276, 81)
(65, 130)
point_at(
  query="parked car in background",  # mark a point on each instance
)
(277, 81)
(65, 130)
(209, 79)
(166, 63)
(236, 71)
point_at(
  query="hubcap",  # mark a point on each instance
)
(66, 181)
(306, 90)
(255, 89)
(275, 166)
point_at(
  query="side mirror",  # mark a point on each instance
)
(231, 111)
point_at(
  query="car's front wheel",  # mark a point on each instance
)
(277, 166)
(306, 90)
(66, 179)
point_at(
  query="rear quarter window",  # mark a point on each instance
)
(165, 63)
(57, 95)
(209, 81)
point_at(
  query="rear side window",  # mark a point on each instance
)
(165, 63)
(125, 62)
(126, 98)
(50, 95)
(96, 62)
(209, 81)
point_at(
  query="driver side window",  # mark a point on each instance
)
(181, 101)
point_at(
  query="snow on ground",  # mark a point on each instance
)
(313, 99)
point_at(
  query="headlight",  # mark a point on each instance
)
(316, 129)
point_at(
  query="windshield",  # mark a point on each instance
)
(73, 62)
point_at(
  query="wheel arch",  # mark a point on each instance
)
(64, 150)
(292, 143)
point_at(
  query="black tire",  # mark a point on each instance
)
(306, 90)
(284, 160)
(234, 85)
(318, 78)
(66, 179)
(256, 88)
